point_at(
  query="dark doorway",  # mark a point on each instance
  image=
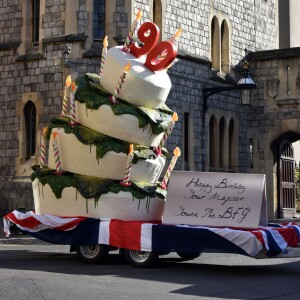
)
(30, 125)
(286, 181)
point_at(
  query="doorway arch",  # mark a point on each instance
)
(284, 162)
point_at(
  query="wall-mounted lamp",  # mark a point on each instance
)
(245, 85)
(66, 53)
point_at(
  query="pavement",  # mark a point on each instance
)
(17, 237)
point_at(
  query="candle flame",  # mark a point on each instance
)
(178, 33)
(45, 131)
(105, 42)
(73, 87)
(177, 152)
(175, 117)
(131, 149)
(138, 15)
(68, 81)
(127, 67)
(54, 134)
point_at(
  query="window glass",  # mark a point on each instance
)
(99, 19)
(35, 21)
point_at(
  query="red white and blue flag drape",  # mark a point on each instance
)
(151, 236)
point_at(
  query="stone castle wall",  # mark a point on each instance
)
(37, 72)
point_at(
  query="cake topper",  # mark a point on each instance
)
(149, 34)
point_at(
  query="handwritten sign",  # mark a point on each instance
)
(216, 199)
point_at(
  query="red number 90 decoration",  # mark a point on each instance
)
(160, 55)
(148, 34)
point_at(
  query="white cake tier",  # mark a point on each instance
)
(141, 87)
(79, 158)
(123, 127)
(120, 206)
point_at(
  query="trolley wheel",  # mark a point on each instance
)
(189, 255)
(141, 259)
(92, 253)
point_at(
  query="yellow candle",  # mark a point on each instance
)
(72, 100)
(167, 133)
(120, 83)
(65, 99)
(104, 52)
(132, 30)
(130, 156)
(176, 153)
(43, 148)
(56, 154)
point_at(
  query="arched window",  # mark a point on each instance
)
(157, 14)
(30, 128)
(222, 138)
(215, 44)
(213, 134)
(231, 143)
(99, 19)
(225, 47)
(35, 21)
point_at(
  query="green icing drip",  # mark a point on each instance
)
(102, 142)
(88, 136)
(91, 187)
(90, 92)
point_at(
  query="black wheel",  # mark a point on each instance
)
(141, 259)
(189, 256)
(92, 253)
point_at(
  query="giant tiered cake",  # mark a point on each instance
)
(105, 157)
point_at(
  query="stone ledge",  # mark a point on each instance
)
(64, 39)
(29, 57)
(191, 57)
(93, 53)
(273, 54)
(9, 45)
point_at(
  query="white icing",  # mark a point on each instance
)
(120, 206)
(141, 87)
(81, 159)
(123, 127)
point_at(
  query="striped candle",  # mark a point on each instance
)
(56, 154)
(114, 97)
(166, 133)
(130, 156)
(104, 53)
(43, 148)
(65, 99)
(165, 180)
(171, 40)
(130, 35)
(73, 108)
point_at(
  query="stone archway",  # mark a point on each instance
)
(284, 189)
(286, 180)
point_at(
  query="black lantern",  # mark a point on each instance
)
(245, 85)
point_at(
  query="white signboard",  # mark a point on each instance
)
(216, 199)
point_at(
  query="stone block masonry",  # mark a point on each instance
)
(37, 72)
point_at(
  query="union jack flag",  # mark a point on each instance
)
(150, 236)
